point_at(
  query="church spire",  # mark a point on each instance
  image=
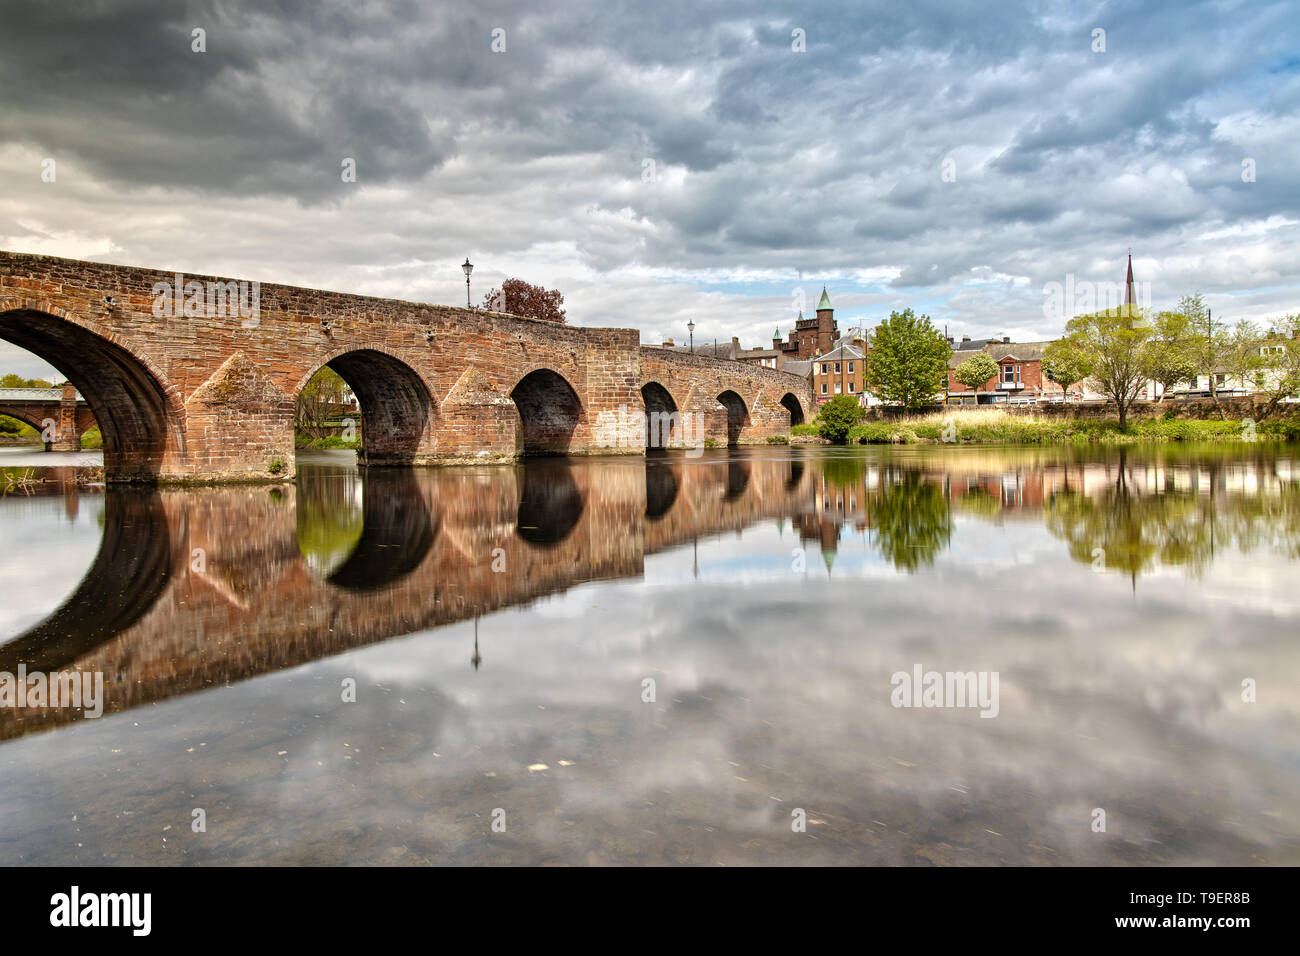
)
(1130, 299)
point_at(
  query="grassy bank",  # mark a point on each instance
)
(971, 427)
(329, 441)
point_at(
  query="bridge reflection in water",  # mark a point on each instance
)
(200, 588)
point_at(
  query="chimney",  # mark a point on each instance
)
(668, 344)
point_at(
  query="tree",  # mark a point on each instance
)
(908, 362)
(1064, 365)
(1280, 376)
(1111, 345)
(1171, 351)
(1211, 344)
(1243, 360)
(518, 297)
(976, 370)
(837, 416)
(320, 401)
(17, 381)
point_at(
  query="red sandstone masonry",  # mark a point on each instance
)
(212, 398)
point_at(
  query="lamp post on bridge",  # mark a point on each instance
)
(468, 269)
(690, 327)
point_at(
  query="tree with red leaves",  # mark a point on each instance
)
(523, 298)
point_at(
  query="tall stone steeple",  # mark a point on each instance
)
(1130, 297)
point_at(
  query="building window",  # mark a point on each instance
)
(850, 388)
(823, 388)
(850, 368)
(837, 388)
(1011, 373)
(825, 367)
(837, 368)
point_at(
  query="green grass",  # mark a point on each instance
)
(329, 441)
(1001, 428)
(19, 430)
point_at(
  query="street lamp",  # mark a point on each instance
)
(690, 327)
(468, 269)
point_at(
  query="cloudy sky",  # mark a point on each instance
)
(669, 161)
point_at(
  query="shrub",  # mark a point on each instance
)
(837, 416)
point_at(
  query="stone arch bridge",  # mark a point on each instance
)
(196, 378)
(59, 413)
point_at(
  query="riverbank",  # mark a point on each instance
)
(996, 427)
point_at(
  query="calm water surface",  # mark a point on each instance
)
(501, 624)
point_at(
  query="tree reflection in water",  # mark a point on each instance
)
(1192, 510)
(911, 521)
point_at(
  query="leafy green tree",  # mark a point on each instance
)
(1244, 360)
(1280, 375)
(1170, 355)
(837, 416)
(908, 362)
(320, 401)
(17, 381)
(1064, 364)
(1111, 345)
(976, 370)
(1212, 341)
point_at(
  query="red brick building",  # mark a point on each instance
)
(1020, 375)
(809, 337)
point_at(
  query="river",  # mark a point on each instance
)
(670, 660)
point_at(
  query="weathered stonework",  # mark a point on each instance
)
(211, 398)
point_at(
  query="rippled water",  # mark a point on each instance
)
(502, 626)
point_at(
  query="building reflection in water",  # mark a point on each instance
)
(192, 589)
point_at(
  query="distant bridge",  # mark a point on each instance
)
(197, 387)
(60, 412)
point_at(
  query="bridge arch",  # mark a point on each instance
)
(396, 404)
(550, 411)
(21, 414)
(397, 533)
(139, 414)
(737, 415)
(791, 403)
(662, 429)
(550, 503)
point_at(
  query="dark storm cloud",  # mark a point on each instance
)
(763, 157)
